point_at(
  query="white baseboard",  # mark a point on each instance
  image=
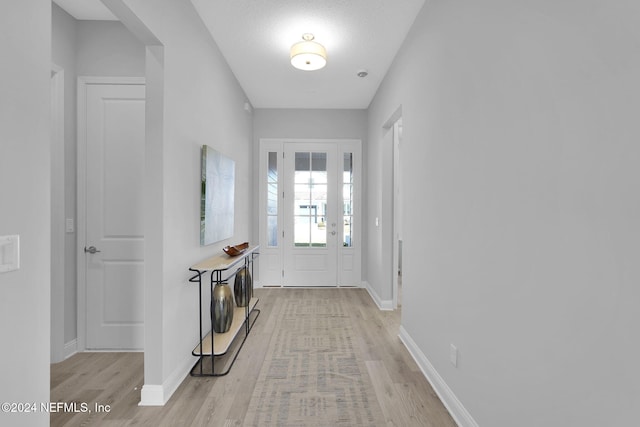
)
(70, 348)
(152, 395)
(385, 305)
(159, 395)
(460, 415)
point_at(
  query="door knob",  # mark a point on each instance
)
(333, 233)
(91, 249)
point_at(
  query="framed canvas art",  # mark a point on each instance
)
(217, 196)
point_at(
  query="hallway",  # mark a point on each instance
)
(375, 382)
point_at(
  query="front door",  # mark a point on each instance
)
(310, 214)
(310, 210)
(114, 247)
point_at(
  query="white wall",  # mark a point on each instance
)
(107, 48)
(85, 48)
(304, 124)
(309, 123)
(202, 104)
(25, 158)
(521, 215)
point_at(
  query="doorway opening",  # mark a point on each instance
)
(397, 214)
(57, 352)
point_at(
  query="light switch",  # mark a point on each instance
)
(9, 253)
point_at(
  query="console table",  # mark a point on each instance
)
(214, 345)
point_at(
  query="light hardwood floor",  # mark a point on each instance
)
(404, 395)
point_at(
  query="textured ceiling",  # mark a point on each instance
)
(255, 37)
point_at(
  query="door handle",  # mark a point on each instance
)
(333, 233)
(91, 249)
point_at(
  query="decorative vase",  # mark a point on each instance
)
(243, 287)
(221, 308)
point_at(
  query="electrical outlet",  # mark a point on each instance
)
(453, 355)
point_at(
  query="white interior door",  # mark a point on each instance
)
(310, 214)
(114, 251)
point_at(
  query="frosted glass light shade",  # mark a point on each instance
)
(308, 55)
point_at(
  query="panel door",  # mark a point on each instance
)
(310, 214)
(114, 252)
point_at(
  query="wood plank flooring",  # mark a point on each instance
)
(115, 379)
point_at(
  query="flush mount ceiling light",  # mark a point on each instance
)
(308, 55)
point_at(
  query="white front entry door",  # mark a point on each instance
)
(114, 247)
(310, 210)
(310, 214)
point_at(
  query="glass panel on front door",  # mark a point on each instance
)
(347, 200)
(310, 200)
(272, 199)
